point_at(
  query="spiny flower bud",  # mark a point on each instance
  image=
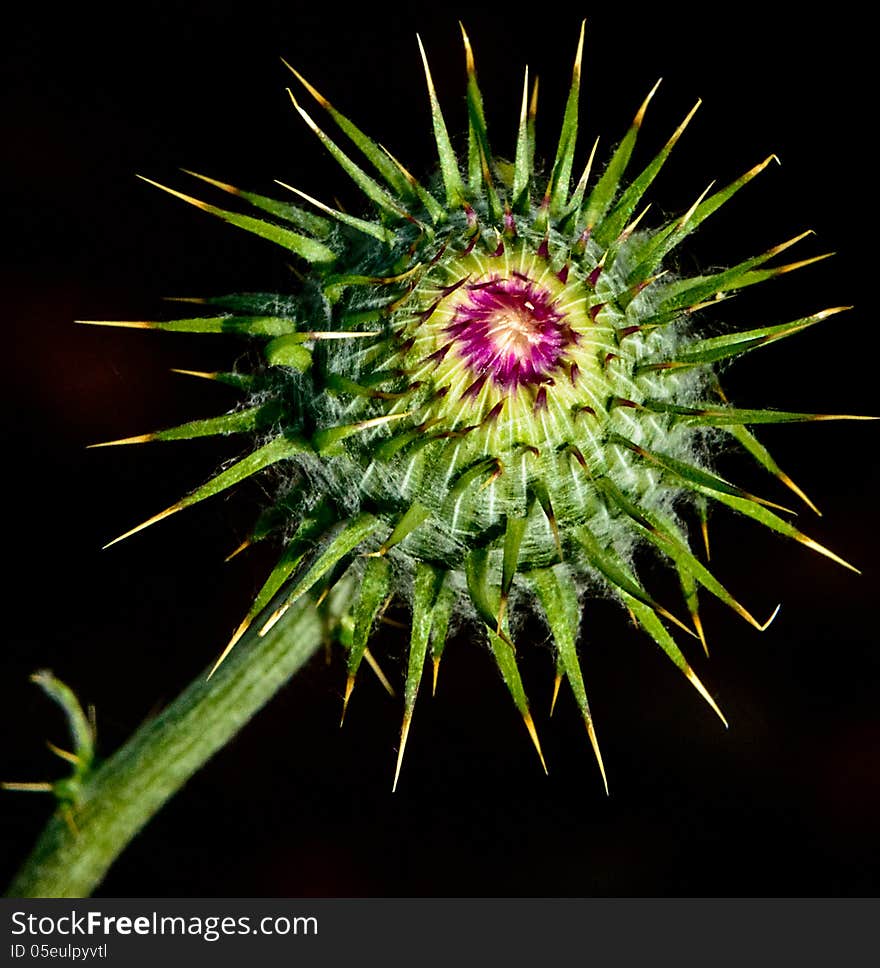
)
(490, 395)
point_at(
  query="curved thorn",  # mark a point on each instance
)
(769, 622)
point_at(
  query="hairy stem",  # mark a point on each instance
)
(117, 799)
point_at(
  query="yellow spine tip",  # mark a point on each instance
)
(201, 374)
(822, 550)
(305, 116)
(533, 102)
(679, 131)
(789, 483)
(145, 524)
(698, 625)
(380, 675)
(121, 324)
(349, 685)
(430, 82)
(185, 198)
(776, 249)
(769, 622)
(64, 754)
(576, 72)
(594, 742)
(640, 114)
(556, 683)
(404, 734)
(825, 313)
(273, 619)
(223, 186)
(752, 172)
(236, 635)
(468, 50)
(140, 439)
(242, 547)
(312, 90)
(533, 733)
(701, 689)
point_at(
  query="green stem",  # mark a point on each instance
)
(118, 798)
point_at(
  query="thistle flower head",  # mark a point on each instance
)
(488, 392)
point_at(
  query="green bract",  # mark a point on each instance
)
(489, 394)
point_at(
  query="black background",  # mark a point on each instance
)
(784, 803)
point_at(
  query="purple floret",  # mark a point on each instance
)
(510, 329)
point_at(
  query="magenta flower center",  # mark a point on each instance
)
(510, 329)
